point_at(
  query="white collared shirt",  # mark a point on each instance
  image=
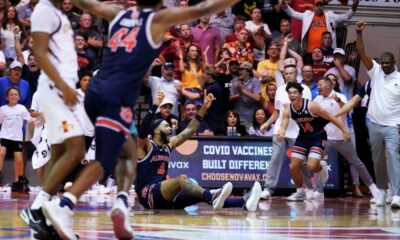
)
(384, 104)
(331, 106)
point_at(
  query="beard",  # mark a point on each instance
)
(164, 138)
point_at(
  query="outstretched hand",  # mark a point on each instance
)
(208, 99)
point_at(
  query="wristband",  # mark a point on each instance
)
(153, 109)
(198, 118)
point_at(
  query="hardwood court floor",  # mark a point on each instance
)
(335, 218)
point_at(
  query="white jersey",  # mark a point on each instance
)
(87, 125)
(61, 51)
(12, 119)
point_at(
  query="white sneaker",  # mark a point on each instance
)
(395, 202)
(60, 217)
(253, 197)
(299, 195)
(266, 194)
(324, 174)
(120, 220)
(318, 196)
(309, 193)
(380, 200)
(220, 196)
(214, 191)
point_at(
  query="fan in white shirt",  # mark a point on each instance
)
(12, 117)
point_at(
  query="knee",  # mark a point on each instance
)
(183, 178)
(313, 167)
(294, 167)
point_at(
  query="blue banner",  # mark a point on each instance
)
(213, 161)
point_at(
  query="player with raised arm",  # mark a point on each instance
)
(310, 143)
(135, 38)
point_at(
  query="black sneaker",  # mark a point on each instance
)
(25, 184)
(17, 187)
(36, 221)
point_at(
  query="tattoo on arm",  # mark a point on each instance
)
(185, 134)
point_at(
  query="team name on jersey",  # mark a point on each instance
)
(130, 23)
(157, 158)
(304, 119)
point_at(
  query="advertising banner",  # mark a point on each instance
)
(211, 162)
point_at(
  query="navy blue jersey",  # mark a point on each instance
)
(130, 53)
(154, 167)
(310, 125)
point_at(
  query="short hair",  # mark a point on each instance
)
(12, 88)
(295, 85)
(284, 20)
(331, 74)
(388, 55)
(84, 74)
(326, 33)
(327, 80)
(149, 3)
(211, 70)
(82, 34)
(240, 18)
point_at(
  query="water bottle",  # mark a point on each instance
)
(234, 132)
(229, 131)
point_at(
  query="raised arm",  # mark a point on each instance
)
(143, 143)
(360, 46)
(270, 121)
(291, 12)
(191, 129)
(166, 18)
(346, 108)
(317, 110)
(102, 9)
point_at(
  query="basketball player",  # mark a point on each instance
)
(135, 38)
(55, 54)
(153, 188)
(310, 143)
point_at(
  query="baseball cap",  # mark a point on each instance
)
(246, 65)
(318, 1)
(233, 60)
(166, 101)
(168, 65)
(339, 51)
(289, 62)
(15, 64)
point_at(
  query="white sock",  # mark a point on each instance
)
(40, 199)
(374, 190)
(300, 189)
(71, 197)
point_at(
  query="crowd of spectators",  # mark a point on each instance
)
(238, 55)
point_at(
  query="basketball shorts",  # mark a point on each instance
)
(151, 198)
(309, 147)
(63, 122)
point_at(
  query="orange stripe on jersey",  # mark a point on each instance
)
(111, 125)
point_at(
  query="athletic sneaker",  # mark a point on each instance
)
(253, 197)
(220, 196)
(309, 193)
(120, 220)
(299, 195)
(318, 196)
(60, 217)
(266, 194)
(395, 202)
(37, 222)
(380, 200)
(324, 174)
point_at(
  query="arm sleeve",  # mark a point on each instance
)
(146, 122)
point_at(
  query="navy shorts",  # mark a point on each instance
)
(309, 147)
(151, 198)
(11, 146)
(112, 123)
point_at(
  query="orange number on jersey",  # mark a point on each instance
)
(307, 127)
(123, 39)
(161, 169)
